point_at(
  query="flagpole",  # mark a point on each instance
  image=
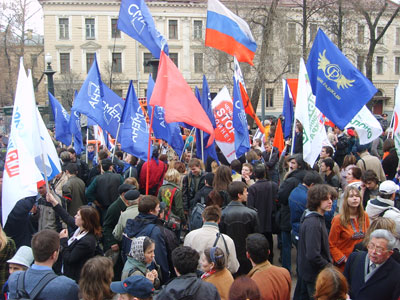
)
(293, 136)
(186, 140)
(202, 145)
(191, 149)
(87, 143)
(148, 152)
(116, 141)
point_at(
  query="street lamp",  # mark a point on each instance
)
(50, 84)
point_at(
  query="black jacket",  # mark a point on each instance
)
(189, 190)
(238, 221)
(286, 187)
(188, 286)
(202, 193)
(383, 284)
(262, 196)
(313, 247)
(390, 163)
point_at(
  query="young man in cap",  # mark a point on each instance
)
(133, 288)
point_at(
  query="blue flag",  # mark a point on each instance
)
(98, 102)
(61, 119)
(242, 139)
(169, 132)
(134, 132)
(341, 90)
(287, 112)
(136, 21)
(75, 129)
(205, 101)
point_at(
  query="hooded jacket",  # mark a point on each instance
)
(313, 248)
(386, 206)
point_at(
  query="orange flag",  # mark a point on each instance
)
(248, 107)
(278, 139)
(177, 98)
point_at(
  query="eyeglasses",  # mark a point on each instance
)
(376, 249)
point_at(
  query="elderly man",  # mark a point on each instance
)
(374, 275)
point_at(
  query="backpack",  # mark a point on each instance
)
(171, 220)
(196, 219)
(21, 292)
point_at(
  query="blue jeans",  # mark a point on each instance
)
(286, 250)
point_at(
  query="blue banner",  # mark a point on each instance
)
(242, 139)
(134, 130)
(341, 90)
(61, 120)
(287, 112)
(136, 21)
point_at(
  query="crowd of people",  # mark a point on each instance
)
(111, 226)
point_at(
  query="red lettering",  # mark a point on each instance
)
(12, 163)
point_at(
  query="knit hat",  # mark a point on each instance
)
(23, 257)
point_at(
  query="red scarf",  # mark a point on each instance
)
(208, 274)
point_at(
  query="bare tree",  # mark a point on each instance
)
(66, 86)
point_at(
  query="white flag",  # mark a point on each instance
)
(21, 175)
(367, 126)
(314, 134)
(396, 125)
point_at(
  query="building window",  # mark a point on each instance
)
(292, 33)
(34, 58)
(115, 32)
(198, 62)
(173, 29)
(360, 34)
(379, 65)
(292, 64)
(198, 29)
(65, 64)
(397, 65)
(118, 92)
(313, 31)
(89, 61)
(379, 30)
(90, 32)
(360, 63)
(269, 97)
(174, 58)
(222, 62)
(117, 62)
(146, 59)
(63, 24)
(398, 36)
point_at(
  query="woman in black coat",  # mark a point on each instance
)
(76, 250)
(391, 161)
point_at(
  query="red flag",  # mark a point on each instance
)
(293, 88)
(248, 107)
(278, 139)
(177, 98)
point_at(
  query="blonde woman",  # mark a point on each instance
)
(348, 228)
(7, 251)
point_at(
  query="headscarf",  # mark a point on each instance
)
(137, 251)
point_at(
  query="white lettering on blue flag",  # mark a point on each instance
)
(94, 94)
(137, 21)
(112, 112)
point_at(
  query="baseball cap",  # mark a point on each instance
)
(136, 286)
(23, 257)
(388, 187)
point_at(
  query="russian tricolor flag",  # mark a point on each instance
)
(229, 33)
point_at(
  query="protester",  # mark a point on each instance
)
(331, 284)
(209, 236)
(7, 250)
(391, 160)
(263, 196)
(192, 183)
(213, 265)
(244, 288)
(247, 174)
(185, 260)
(202, 194)
(45, 247)
(348, 228)
(329, 176)
(374, 274)
(74, 189)
(157, 170)
(348, 163)
(353, 177)
(271, 158)
(95, 279)
(369, 186)
(238, 221)
(133, 288)
(273, 282)
(369, 162)
(140, 257)
(221, 181)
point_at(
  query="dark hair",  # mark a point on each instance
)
(180, 167)
(244, 288)
(298, 157)
(222, 178)
(72, 168)
(258, 152)
(147, 204)
(329, 162)
(185, 259)
(91, 219)
(258, 247)
(212, 213)
(251, 155)
(96, 276)
(209, 178)
(194, 162)
(331, 284)
(369, 175)
(119, 154)
(147, 242)
(219, 258)
(259, 171)
(235, 188)
(164, 158)
(312, 177)
(356, 172)
(44, 243)
(328, 150)
(133, 161)
(388, 144)
(71, 150)
(318, 193)
(236, 165)
(106, 164)
(215, 198)
(102, 154)
(349, 159)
